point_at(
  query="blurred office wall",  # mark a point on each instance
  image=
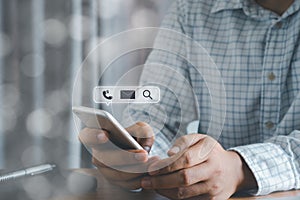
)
(42, 45)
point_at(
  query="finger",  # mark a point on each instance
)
(116, 175)
(199, 190)
(143, 134)
(146, 143)
(92, 136)
(128, 172)
(181, 178)
(129, 185)
(177, 194)
(169, 193)
(210, 189)
(188, 158)
(185, 142)
(129, 168)
(97, 163)
(141, 130)
(137, 168)
(120, 157)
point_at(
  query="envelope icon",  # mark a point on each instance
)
(127, 94)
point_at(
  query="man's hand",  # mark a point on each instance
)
(118, 165)
(202, 169)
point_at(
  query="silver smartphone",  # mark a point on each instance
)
(100, 119)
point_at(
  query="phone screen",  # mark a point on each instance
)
(99, 119)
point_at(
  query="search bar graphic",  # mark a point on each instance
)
(126, 94)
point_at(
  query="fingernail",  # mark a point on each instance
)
(140, 156)
(147, 148)
(101, 137)
(146, 183)
(174, 150)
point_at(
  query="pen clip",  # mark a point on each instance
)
(39, 169)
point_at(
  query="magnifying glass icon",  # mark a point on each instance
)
(147, 94)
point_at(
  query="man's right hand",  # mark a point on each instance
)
(120, 167)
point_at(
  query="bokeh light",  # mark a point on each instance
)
(57, 101)
(38, 187)
(33, 65)
(27, 157)
(55, 32)
(39, 122)
(109, 8)
(79, 27)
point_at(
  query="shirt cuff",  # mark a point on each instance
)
(270, 165)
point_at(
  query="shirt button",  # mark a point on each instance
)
(269, 125)
(271, 76)
(279, 25)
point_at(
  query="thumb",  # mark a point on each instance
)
(184, 142)
(143, 134)
(146, 143)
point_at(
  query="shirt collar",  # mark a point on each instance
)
(251, 9)
(293, 9)
(220, 5)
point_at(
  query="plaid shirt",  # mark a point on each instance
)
(258, 55)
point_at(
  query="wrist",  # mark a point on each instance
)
(246, 179)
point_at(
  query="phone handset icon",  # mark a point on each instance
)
(106, 95)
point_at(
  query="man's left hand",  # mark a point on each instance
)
(202, 169)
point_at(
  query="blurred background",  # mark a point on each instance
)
(42, 45)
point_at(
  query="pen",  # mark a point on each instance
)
(27, 172)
